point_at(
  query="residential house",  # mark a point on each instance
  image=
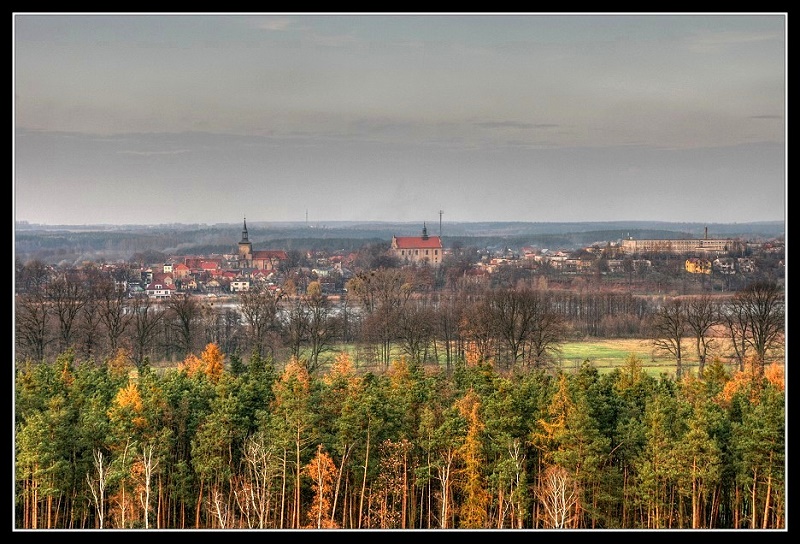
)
(213, 286)
(161, 277)
(240, 284)
(746, 265)
(210, 267)
(724, 265)
(180, 271)
(695, 265)
(159, 290)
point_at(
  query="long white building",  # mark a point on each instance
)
(702, 245)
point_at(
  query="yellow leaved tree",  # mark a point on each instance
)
(747, 380)
(322, 471)
(214, 362)
(211, 363)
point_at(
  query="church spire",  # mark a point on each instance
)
(245, 248)
(244, 231)
(424, 231)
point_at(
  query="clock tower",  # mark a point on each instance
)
(245, 248)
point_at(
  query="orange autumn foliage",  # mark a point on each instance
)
(214, 362)
(129, 401)
(322, 472)
(120, 364)
(399, 373)
(342, 367)
(211, 363)
(775, 376)
(295, 382)
(472, 355)
(742, 381)
(67, 377)
(192, 365)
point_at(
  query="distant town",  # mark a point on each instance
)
(723, 262)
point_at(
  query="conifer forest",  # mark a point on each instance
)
(250, 447)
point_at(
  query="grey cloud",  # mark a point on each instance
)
(514, 124)
(174, 152)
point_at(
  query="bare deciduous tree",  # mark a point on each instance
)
(184, 312)
(512, 315)
(382, 293)
(415, 330)
(149, 465)
(113, 312)
(89, 338)
(476, 329)
(31, 323)
(146, 314)
(734, 316)
(66, 296)
(701, 316)
(98, 486)
(322, 327)
(259, 307)
(762, 306)
(548, 331)
(669, 329)
(558, 493)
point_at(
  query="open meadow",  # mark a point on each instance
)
(607, 354)
(604, 354)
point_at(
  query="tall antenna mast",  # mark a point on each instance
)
(440, 223)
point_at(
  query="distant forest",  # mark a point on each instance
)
(54, 244)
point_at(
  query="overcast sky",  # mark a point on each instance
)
(152, 119)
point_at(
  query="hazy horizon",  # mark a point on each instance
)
(154, 119)
(432, 225)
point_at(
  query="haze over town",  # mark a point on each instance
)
(206, 118)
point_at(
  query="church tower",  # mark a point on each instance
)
(245, 249)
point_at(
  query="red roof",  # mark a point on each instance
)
(161, 277)
(159, 286)
(417, 242)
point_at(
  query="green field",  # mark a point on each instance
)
(607, 350)
(604, 354)
(608, 354)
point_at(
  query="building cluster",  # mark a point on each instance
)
(705, 256)
(241, 270)
(218, 275)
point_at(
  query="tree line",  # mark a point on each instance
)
(207, 445)
(384, 312)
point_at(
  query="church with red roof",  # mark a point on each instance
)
(418, 249)
(260, 260)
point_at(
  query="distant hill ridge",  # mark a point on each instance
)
(60, 243)
(478, 228)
